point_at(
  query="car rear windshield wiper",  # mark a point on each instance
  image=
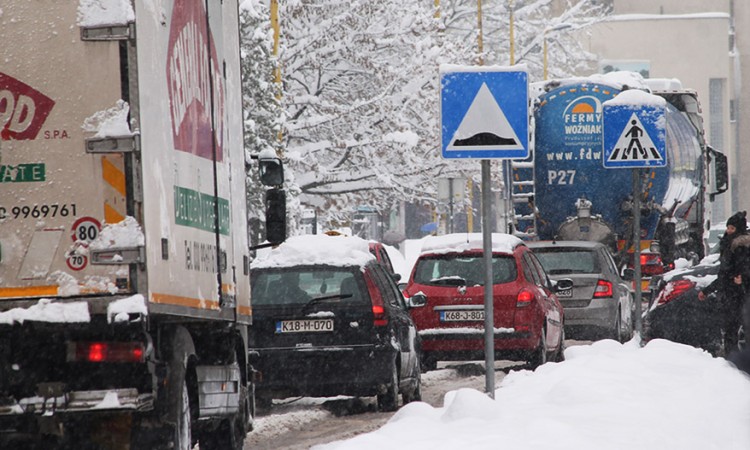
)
(325, 298)
(448, 281)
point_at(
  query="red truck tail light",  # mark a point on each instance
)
(379, 316)
(603, 289)
(524, 298)
(651, 264)
(107, 352)
(673, 290)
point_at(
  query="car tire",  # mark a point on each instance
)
(560, 353)
(539, 355)
(415, 394)
(427, 363)
(388, 401)
(617, 333)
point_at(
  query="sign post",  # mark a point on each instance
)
(634, 124)
(485, 115)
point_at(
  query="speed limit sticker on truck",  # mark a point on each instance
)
(86, 229)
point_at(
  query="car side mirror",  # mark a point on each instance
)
(628, 274)
(396, 277)
(563, 284)
(416, 301)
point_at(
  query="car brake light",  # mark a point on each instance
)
(603, 289)
(524, 298)
(673, 290)
(107, 352)
(380, 319)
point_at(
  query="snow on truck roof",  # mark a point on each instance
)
(317, 249)
(459, 242)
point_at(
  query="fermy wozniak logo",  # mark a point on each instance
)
(189, 66)
(23, 109)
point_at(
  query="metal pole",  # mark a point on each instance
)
(450, 205)
(637, 249)
(489, 323)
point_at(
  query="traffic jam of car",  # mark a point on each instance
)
(330, 318)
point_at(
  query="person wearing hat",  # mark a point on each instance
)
(733, 279)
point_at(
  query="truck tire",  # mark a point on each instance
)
(388, 401)
(231, 432)
(183, 438)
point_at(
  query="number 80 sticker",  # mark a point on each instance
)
(86, 229)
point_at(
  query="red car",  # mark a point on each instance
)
(528, 317)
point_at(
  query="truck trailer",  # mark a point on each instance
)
(567, 194)
(124, 259)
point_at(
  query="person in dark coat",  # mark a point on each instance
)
(733, 279)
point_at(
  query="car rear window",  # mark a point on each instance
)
(302, 285)
(557, 261)
(459, 270)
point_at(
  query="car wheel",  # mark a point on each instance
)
(427, 363)
(560, 354)
(388, 401)
(539, 355)
(415, 394)
(617, 333)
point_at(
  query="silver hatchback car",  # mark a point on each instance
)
(600, 304)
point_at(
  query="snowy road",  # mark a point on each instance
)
(297, 424)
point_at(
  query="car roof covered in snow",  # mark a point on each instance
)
(316, 249)
(461, 242)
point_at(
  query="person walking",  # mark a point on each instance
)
(733, 280)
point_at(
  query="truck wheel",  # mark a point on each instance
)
(389, 400)
(182, 434)
(231, 432)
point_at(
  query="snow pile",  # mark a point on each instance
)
(47, 311)
(636, 97)
(93, 13)
(604, 396)
(319, 249)
(459, 242)
(120, 310)
(125, 234)
(112, 122)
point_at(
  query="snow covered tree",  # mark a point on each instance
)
(263, 116)
(361, 89)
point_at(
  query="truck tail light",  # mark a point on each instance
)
(524, 298)
(651, 264)
(106, 352)
(603, 289)
(379, 316)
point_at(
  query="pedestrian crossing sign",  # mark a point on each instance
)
(634, 136)
(484, 112)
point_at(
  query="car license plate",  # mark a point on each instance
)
(304, 326)
(462, 316)
(568, 293)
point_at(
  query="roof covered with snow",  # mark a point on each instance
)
(317, 249)
(459, 242)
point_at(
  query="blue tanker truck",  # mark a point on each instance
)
(563, 191)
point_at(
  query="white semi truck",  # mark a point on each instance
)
(124, 287)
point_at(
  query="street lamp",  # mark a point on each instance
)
(558, 27)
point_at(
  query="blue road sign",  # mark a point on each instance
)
(484, 115)
(634, 136)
